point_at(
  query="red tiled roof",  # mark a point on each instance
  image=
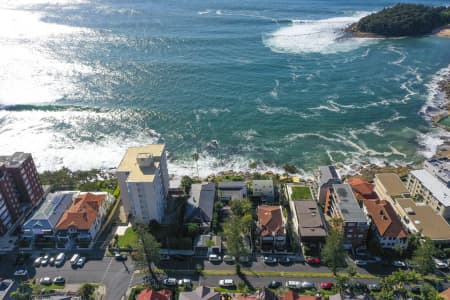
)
(270, 220)
(445, 294)
(149, 294)
(362, 188)
(385, 219)
(82, 213)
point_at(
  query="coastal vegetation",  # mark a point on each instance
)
(403, 20)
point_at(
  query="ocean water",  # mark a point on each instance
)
(271, 82)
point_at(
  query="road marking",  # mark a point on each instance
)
(106, 271)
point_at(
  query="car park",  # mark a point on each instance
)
(21, 273)
(185, 282)
(59, 280)
(307, 285)
(326, 285)
(45, 281)
(214, 258)
(229, 259)
(170, 282)
(37, 261)
(275, 284)
(270, 260)
(226, 283)
(81, 261)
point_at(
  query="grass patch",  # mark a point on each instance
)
(281, 274)
(301, 193)
(129, 239)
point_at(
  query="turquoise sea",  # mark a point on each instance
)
(270, 82)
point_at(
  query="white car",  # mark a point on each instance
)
(45, 281)
(170, 281)
(37, 261)
(185, 282)
(307, 285)
(21, 272)
(439, 264)
(293, 284)
(226, 282)
(44, 260)
(214, 258)
(398, 264)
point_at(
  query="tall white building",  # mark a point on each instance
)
(144, 182)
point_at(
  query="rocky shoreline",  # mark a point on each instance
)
(443, 31)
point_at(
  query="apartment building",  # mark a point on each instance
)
(429, 188)
(144, 182)
(389, 186)
(326, 177)
(342, 204)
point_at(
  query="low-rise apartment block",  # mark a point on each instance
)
(326, 177)
(419, 217)
(389, 186)
(232, 190)
(342, 204)
(264, 189)
(271, 228)
(309, 225)
(362, 189)
(144, 182)
(385, 224)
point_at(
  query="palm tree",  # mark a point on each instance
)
(195, 157)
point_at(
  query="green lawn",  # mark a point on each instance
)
(130, 238)
(301, 193)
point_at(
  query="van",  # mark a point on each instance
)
(74, 259)
(59, 260)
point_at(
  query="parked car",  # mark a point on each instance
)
(226, 282)
(375, 287)
(37, 261)
(185, 282)
(51, 261)
(21, 273)
(229, 259)
(170, 281)
(270, 260)
(59, 280)
(214, 258)
(399, 264)
(44, 260)
(307, 285)
(293, 284)
(275, 284)
(74, 259)
(81, 261)
(60, 259)
(360, 262)
(439, 264)
(313, 260)
(120, 257)
(284, 260)
(45, 281)
(164, 257)
(244, 259)
(326, 285)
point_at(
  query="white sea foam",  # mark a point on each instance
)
(274, 92)
(204, 12)
(435, 97)
(333, 106)
(401, 54)
(219, 12)
(316, 36)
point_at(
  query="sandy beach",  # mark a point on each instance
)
(443, 31)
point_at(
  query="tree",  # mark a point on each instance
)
(147, 251)
(186, 183)
(235, 238)
(23, 292)
(241, 207)
(193, 229)
(423, 256)
(86, 291)
(196, 157)
(333, 252)
(427, 291)
(398, 250)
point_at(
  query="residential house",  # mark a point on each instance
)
(200, 293)
(342, 204)
(309, 225)
(82, 221)
(389, 186)
(42, 223)
(429, 189)
(271, 228)
(144, 182)
(264, 189)
(327, 176)
(200, 205)
(419, 217)
(232, 190)
(445, 294)
(263, 294)
(386, 225)
(362, 189)
(149, 294)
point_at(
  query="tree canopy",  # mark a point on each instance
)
(405, 20)
(147, 251)
(423, 256)
(333, 252)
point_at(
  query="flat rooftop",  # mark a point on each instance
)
(328, 173)
(348, 204)
(138, 173)
(392, 183)
(437, 188)
(424, 218)
(309, 219)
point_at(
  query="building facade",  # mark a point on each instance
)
(144, 182)
(342, 204)
(326, 177)
(389, 186)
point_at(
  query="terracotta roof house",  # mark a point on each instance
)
(200, 293)
(149, 294)
(445, 294)
(264, 294)
(385, 224)
(291, 295)
(271, 228)
(362, 189)
(84, 218)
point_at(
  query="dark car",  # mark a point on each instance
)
(275, 284)
(120, 257)
(375, 287)
(284, 260)
(59, 280)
